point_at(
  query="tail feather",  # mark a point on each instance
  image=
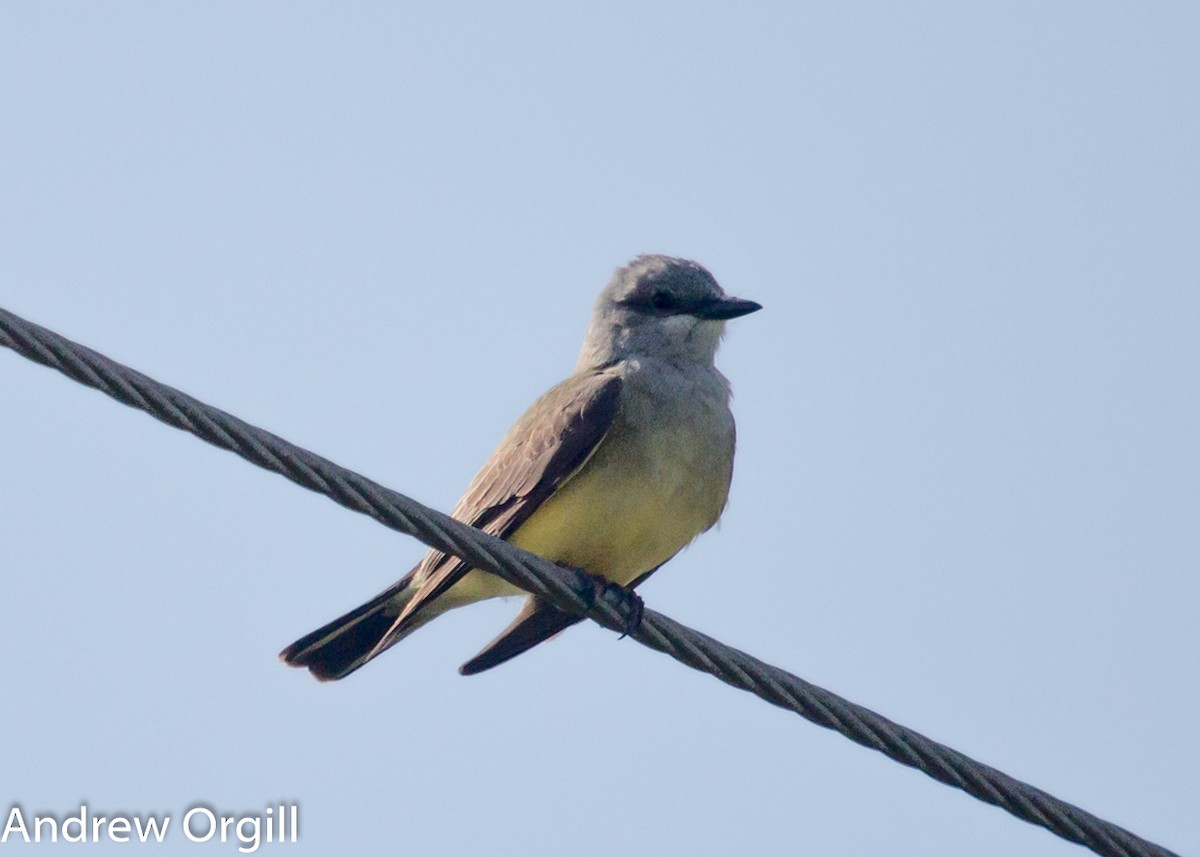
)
(338, 648)
(537, 622)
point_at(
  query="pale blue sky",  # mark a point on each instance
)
(968, 478)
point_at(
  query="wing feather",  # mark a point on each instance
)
(549, 444)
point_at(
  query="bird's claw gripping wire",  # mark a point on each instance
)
(627, 602)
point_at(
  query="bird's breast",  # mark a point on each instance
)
(658, 479)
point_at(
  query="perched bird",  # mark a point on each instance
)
(613, 471)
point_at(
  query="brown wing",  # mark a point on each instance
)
(546, 446)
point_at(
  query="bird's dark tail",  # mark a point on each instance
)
(536, 623)
(337, 649)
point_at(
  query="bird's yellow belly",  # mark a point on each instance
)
(628, 510)
(616, 525)
(659, 478)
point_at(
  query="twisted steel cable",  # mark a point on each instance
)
(571, 591)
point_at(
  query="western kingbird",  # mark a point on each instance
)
(613, 471)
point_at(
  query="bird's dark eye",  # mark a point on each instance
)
(662, 301)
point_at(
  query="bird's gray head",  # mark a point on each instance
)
(662, 307)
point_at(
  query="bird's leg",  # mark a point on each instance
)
(633, 607)
(627, 602)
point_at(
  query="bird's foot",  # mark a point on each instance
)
(627, 602)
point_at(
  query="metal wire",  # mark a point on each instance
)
(570, 591)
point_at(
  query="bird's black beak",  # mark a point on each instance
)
(721, 309)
